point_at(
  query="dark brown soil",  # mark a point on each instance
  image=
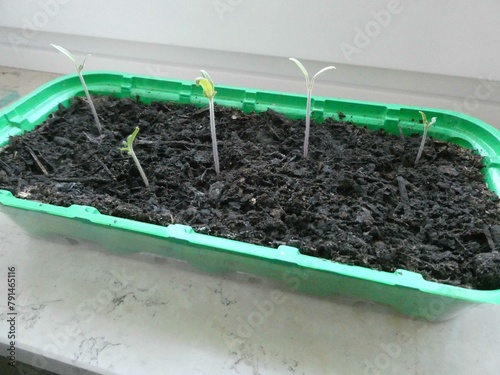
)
(357, 199)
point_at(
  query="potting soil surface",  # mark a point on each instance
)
(358, 198)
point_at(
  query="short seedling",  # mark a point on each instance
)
(209, 91)
(401, 134)
(79, 69)
(129, 147)
(427, 125)
(309, 85)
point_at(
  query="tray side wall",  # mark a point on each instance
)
(405, 291)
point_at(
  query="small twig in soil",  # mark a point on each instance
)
(93, 139)
(203, 175)
(7, 168)
(197, 195)
(367, 177)
(489, 238)
(200, 111)
(373, 209)
(404, 195)
(171, 143)
(105, 168)
(288, 162)
(274, 132)
(80, 179)
(418, 260)
(185, 143)
(458, 241)
(40, 165)
(144, 142)
(278, 154)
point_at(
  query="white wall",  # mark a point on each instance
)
(422, 52)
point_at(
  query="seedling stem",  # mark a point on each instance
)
(427, 125)
(129, 147)
(209, 91)
(309, 85)
(79, 69)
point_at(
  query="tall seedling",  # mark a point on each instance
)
(427, 125)
(79, 69)
(309, 85)
(209, 91)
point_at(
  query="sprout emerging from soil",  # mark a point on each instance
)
(209, 91)
(401, 134)
(427, 125)
(79, 69)
(129, 147)
(309, 85)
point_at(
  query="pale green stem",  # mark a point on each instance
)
(401, 135)
(89, 99)
(308, 122)
(421, 149)
(138, 165)
(214, 135)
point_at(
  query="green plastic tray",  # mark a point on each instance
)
(404, 291)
